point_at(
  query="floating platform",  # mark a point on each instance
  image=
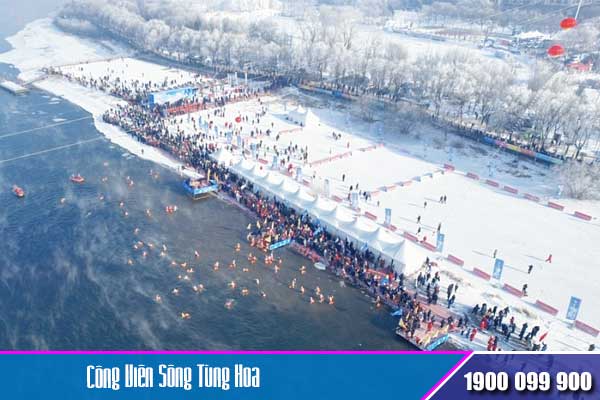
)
(198, 189)
(13, 87)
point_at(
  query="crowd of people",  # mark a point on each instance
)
(277, 222)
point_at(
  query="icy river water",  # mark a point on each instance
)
(65, 277)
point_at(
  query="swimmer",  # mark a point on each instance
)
(135, 247)
(238, 247)
(164, 247)
(331, 300)
(232, 265)
(276, 269)
(183, 264)
(101, 198)
(136, 231)
(229, 304)
(173, 263)
(130, 262)
(121, 204)
(198, 288)
(162, 254)
(245, 269)
(302, 270)
(196, 254)
(231, 285)
(126, 214)
(312, 301)
(321, 298)
(257, 281)
(62, 200)
(104, 179)
(105, 163)
(151, 246)
(190, 270)
(157, 298)
(302, 290)
(263, 294)
(144, 254)
(185, 315)
(245, 292)
(186, 278)
(318, 290)
(216, 266)
(293, 284)
(148, 213)
(175, 291)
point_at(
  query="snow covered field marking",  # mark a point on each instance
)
(556, 206)
(455, 260)
(482, 274)
(545, 307)
(512, 290)
(583, 216)
(531, 197)
(587, 328)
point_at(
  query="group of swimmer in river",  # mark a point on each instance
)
(270, 261)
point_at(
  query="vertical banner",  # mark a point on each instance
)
(388, 217)
(439, 245)
(498, 267)
(573, 309)
(354, 200)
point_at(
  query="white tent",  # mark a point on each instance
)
(407, 256)
(301, 116)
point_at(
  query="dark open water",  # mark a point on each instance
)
(64, 278)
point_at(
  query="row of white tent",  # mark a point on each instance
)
(339, 219)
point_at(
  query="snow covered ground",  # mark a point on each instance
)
(477, 218)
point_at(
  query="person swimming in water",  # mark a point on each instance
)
(157, 298)
(175, 291)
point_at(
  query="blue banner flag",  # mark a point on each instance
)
(573, 309)
(498, 267)
(439, 245)
(388, 216)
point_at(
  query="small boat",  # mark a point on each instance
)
(19, 192)
(77, 178)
